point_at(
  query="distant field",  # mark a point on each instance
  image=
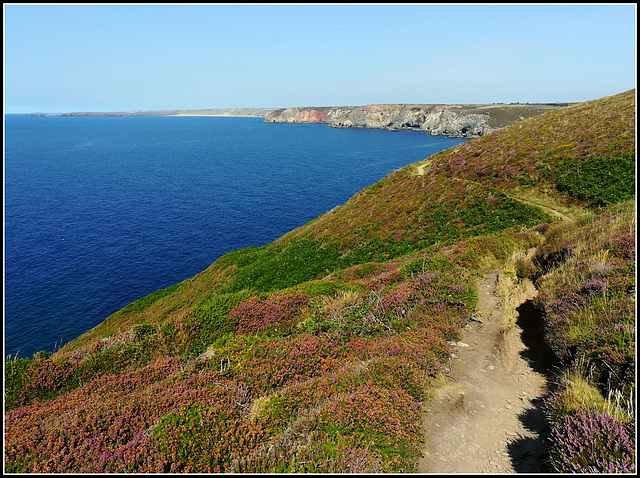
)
(502, 114)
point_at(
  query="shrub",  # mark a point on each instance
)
(254, 315)
(524, 269)
(199, 439)
(388, 419)
(15, 378)
(266, 363)
(318, 288)
(602, 180)
(213, 316)
(278, 266)
(588, 442)
(142, 331)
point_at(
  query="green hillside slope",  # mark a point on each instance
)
(316, 352)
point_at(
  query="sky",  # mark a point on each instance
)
(132, 57)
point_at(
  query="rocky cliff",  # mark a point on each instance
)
(454, 121)
(437, 120)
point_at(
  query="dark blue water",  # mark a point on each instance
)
(100, 211)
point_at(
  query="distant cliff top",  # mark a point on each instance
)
(505, 114)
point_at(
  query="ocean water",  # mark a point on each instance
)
(100, 211)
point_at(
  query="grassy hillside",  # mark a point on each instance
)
(315, 353)
(502, 114)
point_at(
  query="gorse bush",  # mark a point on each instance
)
(213, 315)
(16, 377)
(275, 267)
(385, 417)
(198, 439)
(600, 180)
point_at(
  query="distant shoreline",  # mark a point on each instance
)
(219, 115)
(237, 112)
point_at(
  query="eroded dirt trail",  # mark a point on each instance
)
(488, 418)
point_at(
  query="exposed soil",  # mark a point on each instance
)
(487, 417)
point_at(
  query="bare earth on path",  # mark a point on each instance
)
(487, 417)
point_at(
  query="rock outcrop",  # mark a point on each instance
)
(436, 120)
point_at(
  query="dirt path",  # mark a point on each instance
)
(487, 418)
(420, 169)
(553, 212)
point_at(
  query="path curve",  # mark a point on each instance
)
(553, 212)
(488, 417)
(420, 171)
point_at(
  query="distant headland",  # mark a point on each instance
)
(450, 120)
(454, 121)
(252, 112)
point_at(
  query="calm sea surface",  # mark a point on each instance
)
(100, 211)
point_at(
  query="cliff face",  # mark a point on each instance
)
(437, 120)
(306, 115)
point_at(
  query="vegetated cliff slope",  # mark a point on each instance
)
(315, 353)
(456, 121)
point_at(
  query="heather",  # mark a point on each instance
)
(361, 384)
(587, 301)
(592, 442)
(534, 152)
(318, 352)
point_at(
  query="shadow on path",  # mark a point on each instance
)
(526, 453)
(537, 353)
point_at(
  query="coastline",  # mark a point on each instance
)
(451, 120)
(220, 114)
(236, 112)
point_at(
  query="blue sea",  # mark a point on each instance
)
(100, 211)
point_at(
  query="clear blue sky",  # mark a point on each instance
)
(62, 58)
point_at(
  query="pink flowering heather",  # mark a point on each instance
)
(253, 314)
(276, 363)
(391, 414)
(591, 442)
(106, 424)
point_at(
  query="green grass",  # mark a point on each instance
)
(146, 301)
